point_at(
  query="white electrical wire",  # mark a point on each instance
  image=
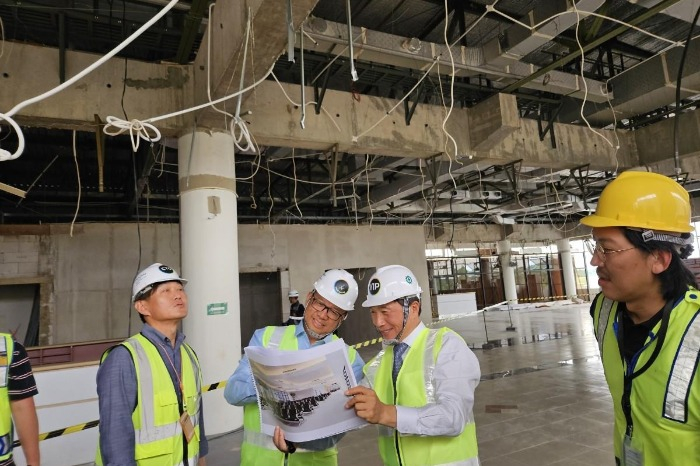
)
(585, 84)
(368, 130)
(118, 122)
(5, 155)
(80, 187)
(137, 130)
(95, 65)
(307, 103)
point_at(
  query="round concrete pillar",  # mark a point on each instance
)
(567, 267)
(209, 255)
(507, 271)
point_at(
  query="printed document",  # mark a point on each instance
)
(303, 391)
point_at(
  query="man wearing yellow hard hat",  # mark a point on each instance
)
(646, 318)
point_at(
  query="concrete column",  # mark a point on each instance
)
(209, 254)
(507, 271)
(567, 267)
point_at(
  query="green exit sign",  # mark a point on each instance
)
(215, 309)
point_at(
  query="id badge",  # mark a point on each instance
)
(3, 376)
(187, 427)
(630, 455)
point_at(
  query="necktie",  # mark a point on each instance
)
(399, 351)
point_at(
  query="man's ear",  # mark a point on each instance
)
(142, 307)
(662, 259)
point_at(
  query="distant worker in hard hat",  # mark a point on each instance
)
(149, 387)
(296, 309)
(327, 306)
(421, 385)
(646, 318)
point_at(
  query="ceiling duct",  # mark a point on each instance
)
(513, 44)
(682, 10)
(652, 85)
(411, 53)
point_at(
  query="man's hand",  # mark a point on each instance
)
(280, 442)
(368, 406)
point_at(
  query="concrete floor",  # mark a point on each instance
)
(542, 399)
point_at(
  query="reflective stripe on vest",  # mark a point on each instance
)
(276, 337)
(7, 349)
(603, 321)
(676, 403)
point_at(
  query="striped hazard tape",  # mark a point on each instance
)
(222, 384)
(64, 431)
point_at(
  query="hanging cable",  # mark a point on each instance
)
(303, 84)
(353, 71)
(80, 187)
(95, 65)
(5, 154)
(290, 32)
(676, 133)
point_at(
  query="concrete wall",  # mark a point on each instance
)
(86, 278)
(308, 250)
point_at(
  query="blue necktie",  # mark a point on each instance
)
(399, 350)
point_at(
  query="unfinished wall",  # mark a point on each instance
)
(86, 278)
(308, 250)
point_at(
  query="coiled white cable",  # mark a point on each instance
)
(5, 154)
(137, 130)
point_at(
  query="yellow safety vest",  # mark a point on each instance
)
(157, 430)
(415, 387)
(7, 348)
(257, 448)
(665, 399)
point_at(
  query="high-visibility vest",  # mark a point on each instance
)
(257, 448)
(7, 348)
(415, 387)
(158, 434)
(665, 399)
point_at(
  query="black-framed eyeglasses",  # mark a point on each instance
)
(330, 312)
(602, 253)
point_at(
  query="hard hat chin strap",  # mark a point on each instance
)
(406, 310)
(318, 336)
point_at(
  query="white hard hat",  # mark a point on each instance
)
(293, 294)
(154, 273)
(390, 283)
(339, 287)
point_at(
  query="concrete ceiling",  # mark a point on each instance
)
(377, 144)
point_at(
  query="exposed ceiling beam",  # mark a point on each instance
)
(633, 21)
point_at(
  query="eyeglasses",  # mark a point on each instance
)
(602, 253)
(330, 312)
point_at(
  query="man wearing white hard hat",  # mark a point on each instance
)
(327, 306)
(422, 382)
(138, 425)
(296, 309)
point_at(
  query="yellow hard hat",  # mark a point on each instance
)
(643, 200)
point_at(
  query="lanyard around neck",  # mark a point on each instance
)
(182, 400)
(630, 374)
